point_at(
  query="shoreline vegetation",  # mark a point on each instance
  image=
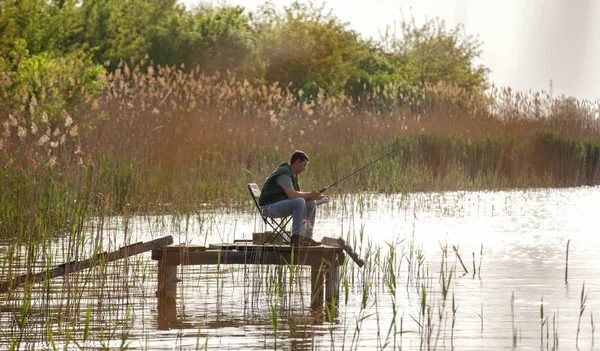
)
(161, 138)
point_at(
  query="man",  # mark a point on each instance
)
(281, 197)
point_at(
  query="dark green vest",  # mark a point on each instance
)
(271, 191)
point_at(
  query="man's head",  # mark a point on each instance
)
(298, 162)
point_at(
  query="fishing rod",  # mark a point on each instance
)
(370, 163)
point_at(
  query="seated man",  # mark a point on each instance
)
(281, 196)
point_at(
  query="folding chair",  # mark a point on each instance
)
(277, 224)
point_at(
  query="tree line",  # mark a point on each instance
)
(303, 47)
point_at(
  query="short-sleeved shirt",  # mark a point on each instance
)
(284, 181)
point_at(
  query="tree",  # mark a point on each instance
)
(432, 53)
(216, 39)
(44, 26)
(39, 67)
(376, 70)
(308, 48)
(118, 29)
(54, 83)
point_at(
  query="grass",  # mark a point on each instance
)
(582, 305)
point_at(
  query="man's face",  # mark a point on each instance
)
(298, 166)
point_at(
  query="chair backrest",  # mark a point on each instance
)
(254, 190)
(255, 193)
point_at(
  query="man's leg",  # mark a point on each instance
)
(294, 207)
(311, 212)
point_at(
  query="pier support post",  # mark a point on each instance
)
(316, 284)
(332, 286)
(167, 315)
(167, 281)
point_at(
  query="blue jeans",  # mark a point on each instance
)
(303, 214)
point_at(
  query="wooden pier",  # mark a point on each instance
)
(324, 260)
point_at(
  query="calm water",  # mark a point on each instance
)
(524, 236)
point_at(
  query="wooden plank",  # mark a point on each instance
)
(246, 246)
(339, 242)
(335, 242)
(74, 266)
(303, 257)
(180, 250)
(268, 247)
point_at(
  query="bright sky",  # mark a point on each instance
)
(526, 43)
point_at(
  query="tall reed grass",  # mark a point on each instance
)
(161, 139)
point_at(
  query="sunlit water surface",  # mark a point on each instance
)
(518, 239)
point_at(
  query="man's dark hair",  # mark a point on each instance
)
(298, 155)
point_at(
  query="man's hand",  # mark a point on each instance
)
(315, 195)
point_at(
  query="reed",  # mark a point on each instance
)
(154, 137)
(542, 322)
(512, 319)
(593, 326)
(567, 264)
(454, 311)
(582, 305)
(555, 331)
(480, 260)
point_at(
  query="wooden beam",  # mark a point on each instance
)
(173, 256)
(341, 243)
(74, 266)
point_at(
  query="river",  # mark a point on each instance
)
(516, 239)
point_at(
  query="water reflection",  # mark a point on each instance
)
(169, 318)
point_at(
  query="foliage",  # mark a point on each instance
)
(44, 26)
(215, 39)
(431, 53)
(303, 46)
(377, 72)
(43, 83)
(118, 30)
(307, 48)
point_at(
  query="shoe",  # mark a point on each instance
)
(302, 240)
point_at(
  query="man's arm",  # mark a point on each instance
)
(285, 182)
(313, 195)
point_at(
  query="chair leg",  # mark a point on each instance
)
(275, 234)
(270, 238)
(278, 229)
